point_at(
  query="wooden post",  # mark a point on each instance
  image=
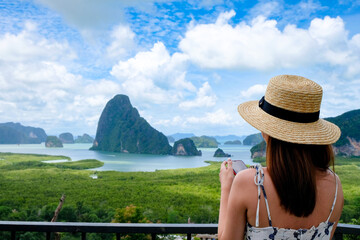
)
(56, 213)
(62, 199)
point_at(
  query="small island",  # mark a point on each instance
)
(235, 142)
(220, 153)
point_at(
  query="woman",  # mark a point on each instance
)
(296, 196)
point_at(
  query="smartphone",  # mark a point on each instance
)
(238, 165)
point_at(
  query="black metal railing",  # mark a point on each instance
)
(127, 228)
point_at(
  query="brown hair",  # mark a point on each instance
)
(292, 168)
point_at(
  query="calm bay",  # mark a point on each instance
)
(126, 162)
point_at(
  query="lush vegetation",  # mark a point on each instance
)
(30, 191)
(253, 139)
(121, 129)
(205, 142)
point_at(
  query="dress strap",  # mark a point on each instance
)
(259, 181)
(336, 191)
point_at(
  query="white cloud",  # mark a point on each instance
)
(154, 75)
(261, 45)
(204, 98)
(254, 90)
(29, 45)
(122, 42)
(219, 117)
(37, 87)
(266, 8)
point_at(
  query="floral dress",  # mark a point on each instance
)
(322, 231)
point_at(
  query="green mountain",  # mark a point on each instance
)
(85, 138)
(253, 139)
(349, 123)
(349, 142)
(121, 129)
(15, 133)
(205, 142)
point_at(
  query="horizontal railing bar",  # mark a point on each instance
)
(153, 228)
(106, 227)
(348, 229)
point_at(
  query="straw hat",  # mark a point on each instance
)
(289, 111)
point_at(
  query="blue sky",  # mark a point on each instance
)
(185, 65)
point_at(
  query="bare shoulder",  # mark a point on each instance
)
(244, 179)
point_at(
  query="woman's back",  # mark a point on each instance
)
(280, 218)
(298, 185)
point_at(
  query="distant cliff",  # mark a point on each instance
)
(85, 138)
(235, 142)
(185, 147)
(121, 129)
(66, 137)
(349, 142)
(205, 142)
(253, 139)
(15, 133)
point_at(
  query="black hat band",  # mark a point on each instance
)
(287, 114)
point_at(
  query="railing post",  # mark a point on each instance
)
(117, 236)
(153, 236)
(83, 236)
(338, 236)
(189, 236)
(13, 235)
(48, 234)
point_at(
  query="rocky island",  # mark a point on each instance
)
(121, 129)
(185, 147)
(53, 142)
(220, 153)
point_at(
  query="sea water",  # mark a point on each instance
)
(126, 162)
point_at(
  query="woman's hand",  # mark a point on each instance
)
(226, 175)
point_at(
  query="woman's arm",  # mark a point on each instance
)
(226, 179)
(232, 216)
